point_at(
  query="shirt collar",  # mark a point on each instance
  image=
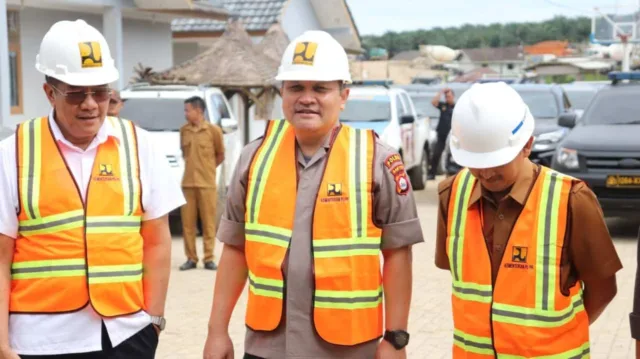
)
(104, 133)
(519, 191)
(322, 151)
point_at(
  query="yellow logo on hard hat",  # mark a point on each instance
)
(90, 54)
(305, 53)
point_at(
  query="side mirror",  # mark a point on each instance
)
(228, 125)
(567, 120)
(407, 119)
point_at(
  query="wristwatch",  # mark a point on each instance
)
(159, 322)
(398, 338)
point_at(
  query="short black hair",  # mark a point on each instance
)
(197, 102)
(52, 80)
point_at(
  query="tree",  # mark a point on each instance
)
(492, 35)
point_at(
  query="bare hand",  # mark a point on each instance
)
(387, 351)
(8, 353)
(218, 347)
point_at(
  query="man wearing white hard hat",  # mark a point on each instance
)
(313, 205)
(530, 256)
(84, 237)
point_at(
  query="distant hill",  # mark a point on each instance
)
(493, 35)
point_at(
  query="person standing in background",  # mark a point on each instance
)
(444, 126)
(115, 104)
(203, 150)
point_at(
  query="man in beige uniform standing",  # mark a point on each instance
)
(202, 147)
(309, 296)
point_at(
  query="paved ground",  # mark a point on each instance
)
(190, 295)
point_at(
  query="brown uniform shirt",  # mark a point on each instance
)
(199, 145)
(634, 317)
(395, 213)
(588, 252)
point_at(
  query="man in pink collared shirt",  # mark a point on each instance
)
(76, 62)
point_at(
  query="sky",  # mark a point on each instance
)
(375, 17)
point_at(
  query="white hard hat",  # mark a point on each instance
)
(75, 53)
(490, 125)
(314, 56)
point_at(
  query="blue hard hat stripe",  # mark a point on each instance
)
(517, 127)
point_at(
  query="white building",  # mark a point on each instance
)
(138, 31)
(194, 36)
(505, 61)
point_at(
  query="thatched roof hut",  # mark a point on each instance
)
(274, 43)
(233, 62)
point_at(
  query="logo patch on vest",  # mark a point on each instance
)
(334, 193)
(305, 53)
(519, 258)
(90, 54)
(106, 173)
(334, 189)
(519, 254)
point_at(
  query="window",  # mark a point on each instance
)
(15, 60)
(510, 66)
(400, 107)
(407, 102)
(219, 109)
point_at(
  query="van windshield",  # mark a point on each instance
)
(614, 107)
(155, 114)
(367, 109)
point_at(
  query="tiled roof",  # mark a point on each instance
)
(255, 14)
(486, 54)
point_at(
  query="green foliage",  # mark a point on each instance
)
(492, 35)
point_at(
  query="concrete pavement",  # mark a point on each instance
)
(190, 297)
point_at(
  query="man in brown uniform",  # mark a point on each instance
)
(634, 316)
(203, 150)
(115, 104)
(505, 178)
(313, 97)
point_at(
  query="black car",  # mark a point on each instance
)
(603, 148)
(548, 104)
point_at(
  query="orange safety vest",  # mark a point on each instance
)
(347, 308)
(69, 253)
(524, 315)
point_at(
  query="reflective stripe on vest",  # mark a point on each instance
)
(65, 246)
(345, 240)
(523, 311)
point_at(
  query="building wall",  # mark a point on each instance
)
(299, 17)
(147, 43)
(143, 42)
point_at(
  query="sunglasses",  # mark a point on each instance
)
(77, 97)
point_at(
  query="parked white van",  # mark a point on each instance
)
(159, 109)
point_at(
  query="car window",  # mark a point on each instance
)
(367, 108)
(542, 104)
(613, 107)
(219, 109)
(565, 101)
(407, 102)
(422, 103)
(155, 114)
(401, 109)
(579, 98)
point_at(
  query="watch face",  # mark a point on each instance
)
(402, 338)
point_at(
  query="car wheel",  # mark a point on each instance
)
(418, 174)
